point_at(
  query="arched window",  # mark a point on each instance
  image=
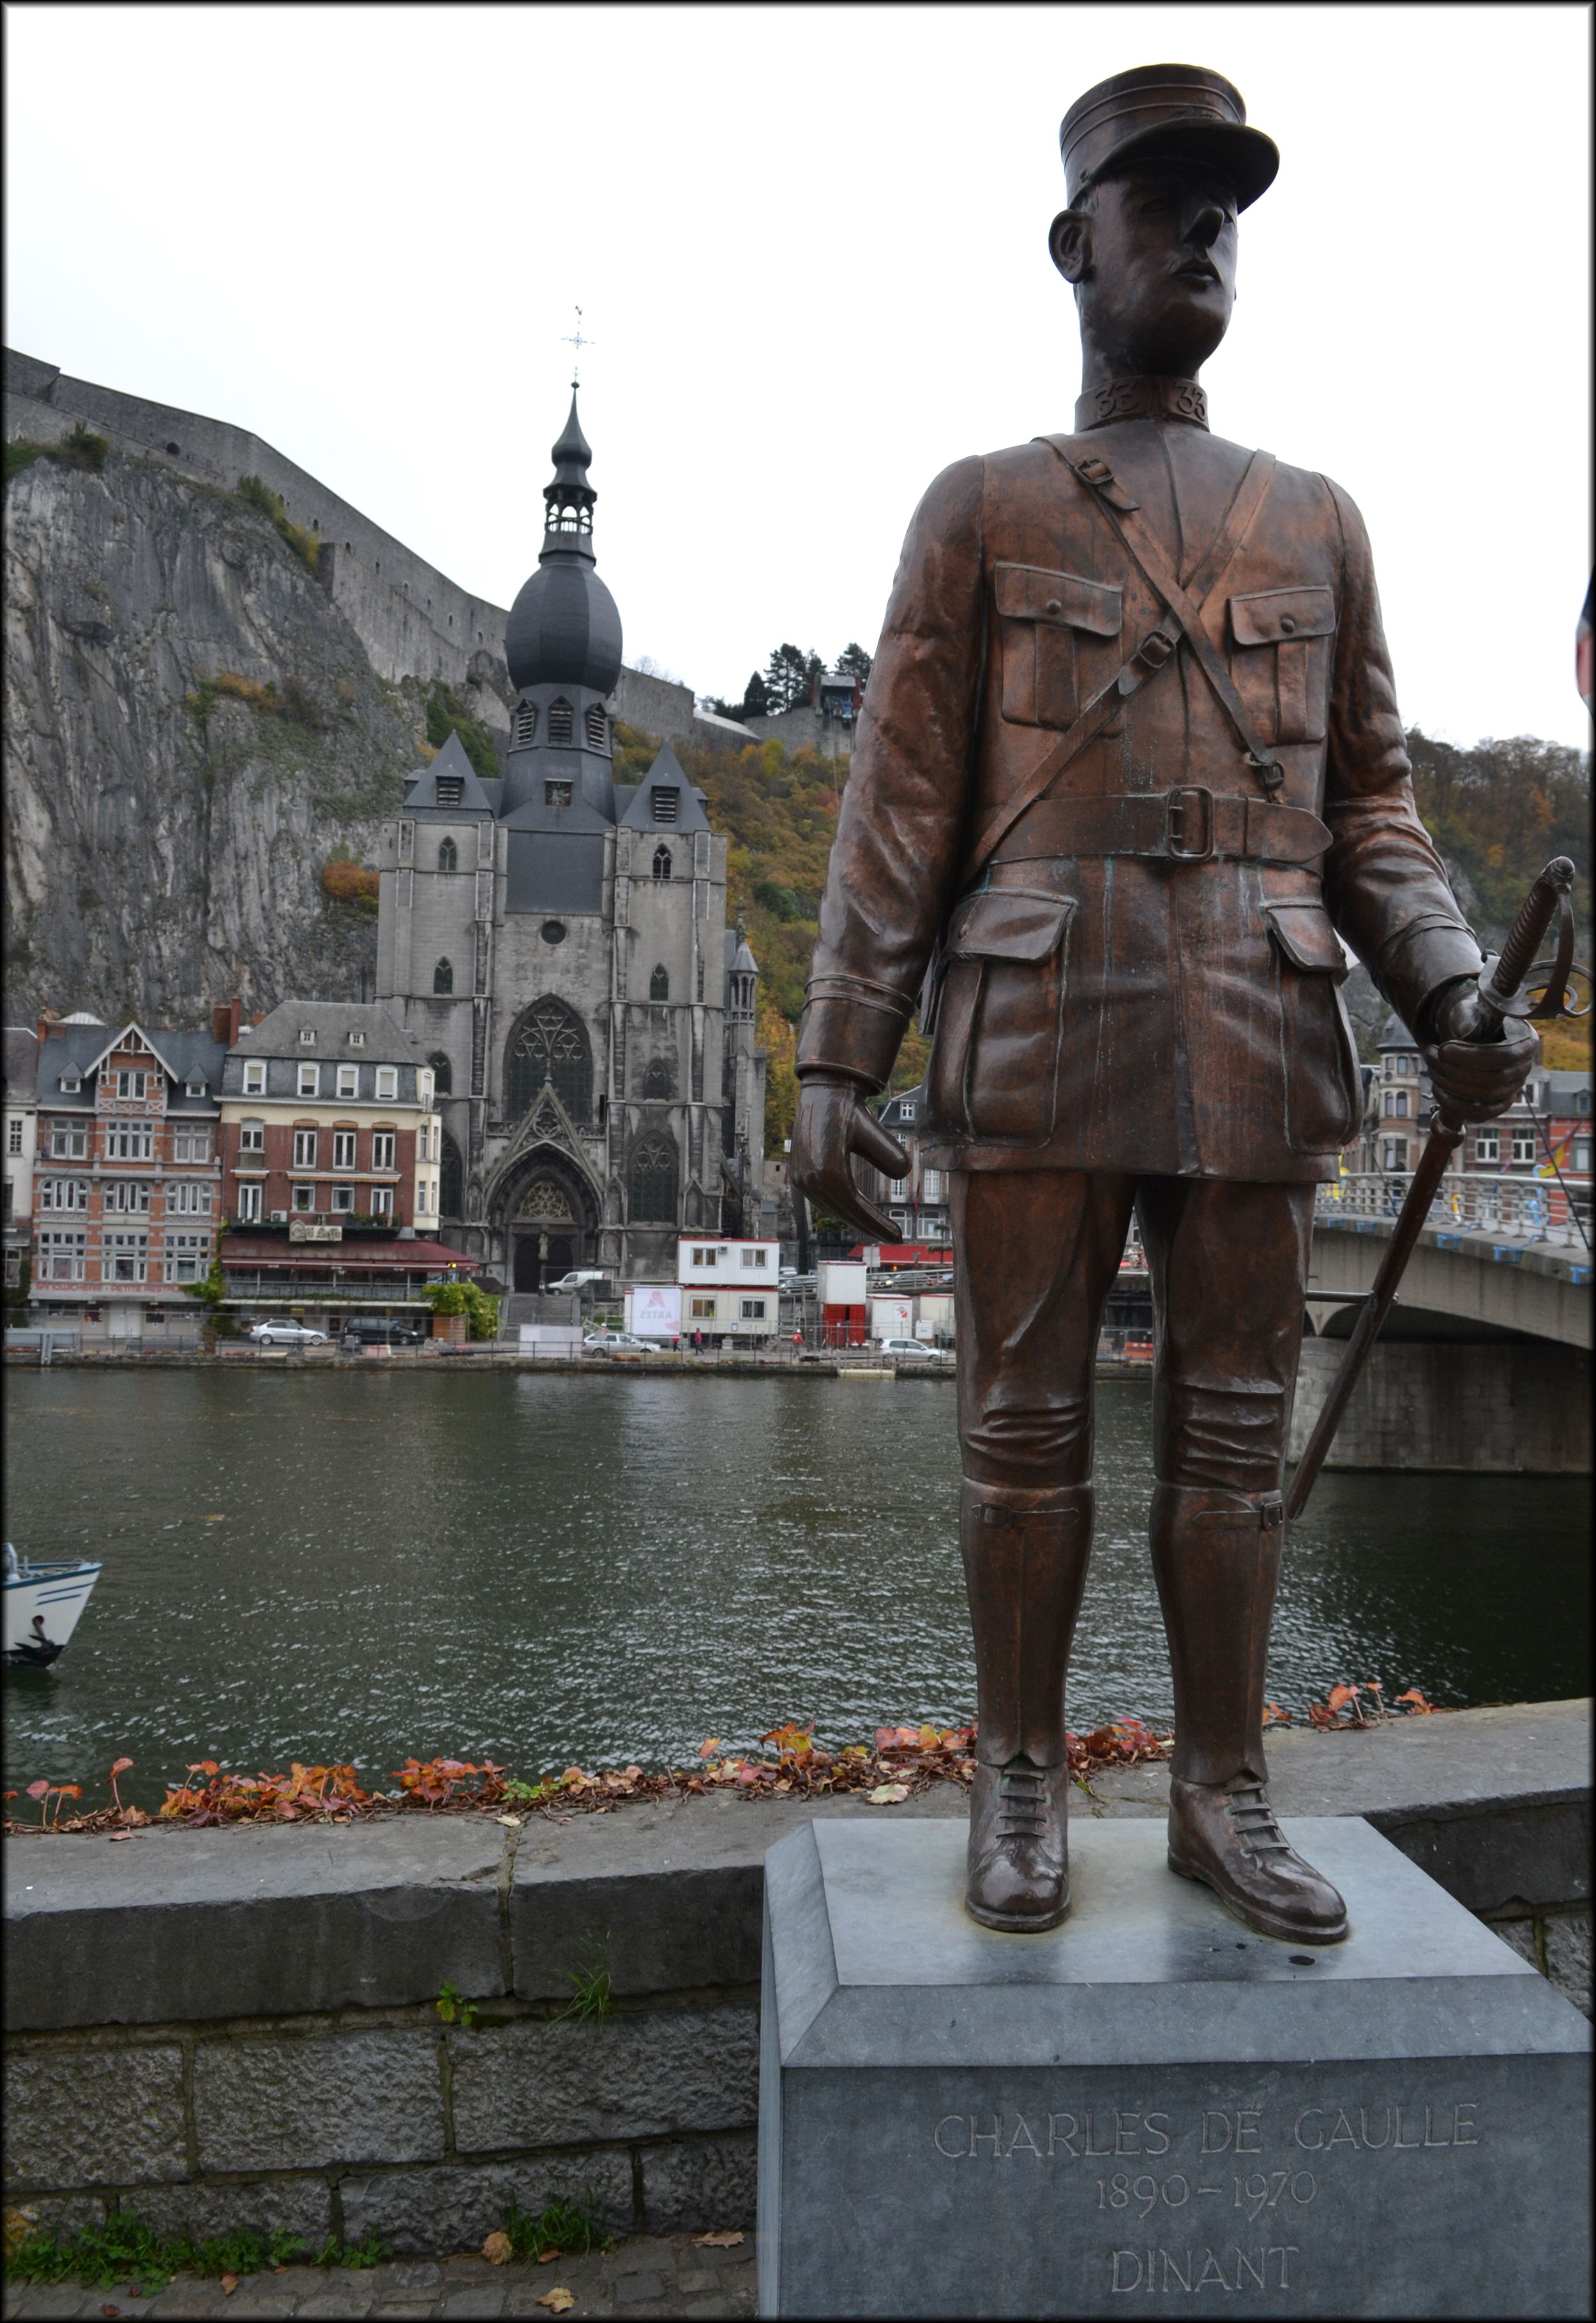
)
(549, 1047)
(661, 861)
(451, 1182)
(653, 1181)
(526, 723)
(659, 985)
(595, 727)
(443, 976)
(562, 722)
(448, 855)
(443, 1074)
(656, 1080)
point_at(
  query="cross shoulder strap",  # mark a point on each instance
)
(1181, 619)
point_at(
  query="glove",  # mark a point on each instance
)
(1475, 1080)
(833, 1124)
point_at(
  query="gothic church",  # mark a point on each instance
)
(556, 944)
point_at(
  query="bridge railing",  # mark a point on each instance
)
(1469, 1201)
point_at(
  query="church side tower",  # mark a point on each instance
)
(557, 943)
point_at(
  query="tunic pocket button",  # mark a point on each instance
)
(1053, 605)
(1287, 624)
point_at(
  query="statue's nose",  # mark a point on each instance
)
(1204, 228)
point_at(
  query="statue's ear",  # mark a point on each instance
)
(1069, 245)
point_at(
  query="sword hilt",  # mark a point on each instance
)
(1499, 992)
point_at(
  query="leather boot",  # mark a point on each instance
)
(1216, 1559)
(1025, 1566)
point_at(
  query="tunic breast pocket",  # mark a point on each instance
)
(995, 1067)
(1053, 629)
(1282, 640)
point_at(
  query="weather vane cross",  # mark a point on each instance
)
(575, 339)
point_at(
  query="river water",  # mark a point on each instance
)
(554, 1569)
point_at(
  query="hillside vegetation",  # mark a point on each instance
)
(1497, 812)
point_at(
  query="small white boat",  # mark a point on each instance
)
(42, 1605)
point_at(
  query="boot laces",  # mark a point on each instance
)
(1021, 1800)
(1248, 1800)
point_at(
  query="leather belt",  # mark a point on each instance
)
(1189, 825)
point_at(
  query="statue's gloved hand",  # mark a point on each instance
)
(833, 1124)
(1475, 1080)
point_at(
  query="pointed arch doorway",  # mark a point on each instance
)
(549, 1227)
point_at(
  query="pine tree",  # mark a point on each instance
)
(853, 661)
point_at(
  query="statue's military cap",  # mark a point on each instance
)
(1182, 112)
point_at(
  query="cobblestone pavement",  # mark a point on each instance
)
(648, 2274)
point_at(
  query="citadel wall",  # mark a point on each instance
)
(412, 620)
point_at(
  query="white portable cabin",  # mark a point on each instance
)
(731, 1289)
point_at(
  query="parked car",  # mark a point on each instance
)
(611, 1343)
(377, 1331)
(287, 1334)
(913, 1350)
(578, 1276)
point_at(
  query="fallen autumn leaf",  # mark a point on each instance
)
(728, 2238)
(557, 2300)
(887, 1795)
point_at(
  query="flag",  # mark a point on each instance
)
(1581, 652)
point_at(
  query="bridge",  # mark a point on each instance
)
(1483, 1364)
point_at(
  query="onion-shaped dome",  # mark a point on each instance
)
(564, 627)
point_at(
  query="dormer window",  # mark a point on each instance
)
(556, 795)
(307, 1036)
(664, 803)
(526, 723)
(451, 790)
(596, 724)
(72, 1083)
(357, 1039)
(562, 723)
(192, 1088)
(662, 862)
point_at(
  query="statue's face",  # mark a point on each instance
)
(1153, 264)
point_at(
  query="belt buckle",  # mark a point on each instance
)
(1175, 812)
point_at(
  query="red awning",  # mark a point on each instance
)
(356, 1256)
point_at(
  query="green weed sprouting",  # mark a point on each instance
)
(256, 493)
(454, 2009)
(592, 1997)
(564, 2230)
(125, 2249)
(80, 449)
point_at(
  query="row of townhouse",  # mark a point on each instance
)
(134, 1157)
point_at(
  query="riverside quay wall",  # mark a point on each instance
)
(231, 2028)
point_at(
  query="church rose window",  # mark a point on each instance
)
(451, 1182)
(659, 985)
(661, 861)
(545, 1202)
(443, 976)
(549, 1048)
(448, 855)
(653, 1181)
(656, 1080)
(552, 931)
(443, 1074)
(562, 722)
(595, 728)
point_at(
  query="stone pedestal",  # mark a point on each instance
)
(1152, 2109)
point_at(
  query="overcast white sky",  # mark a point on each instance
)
(811, 249)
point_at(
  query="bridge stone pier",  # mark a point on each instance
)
(1483, 1364)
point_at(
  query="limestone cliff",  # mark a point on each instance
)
(192, 730)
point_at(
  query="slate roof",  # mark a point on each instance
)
(278, 1034)
(665, 774)
(76, 1048)
(476, 796)
(360, 1254)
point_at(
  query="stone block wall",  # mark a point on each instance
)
(1502, 1406)
(240, 2028)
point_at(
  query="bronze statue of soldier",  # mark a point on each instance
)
(1129, 760)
